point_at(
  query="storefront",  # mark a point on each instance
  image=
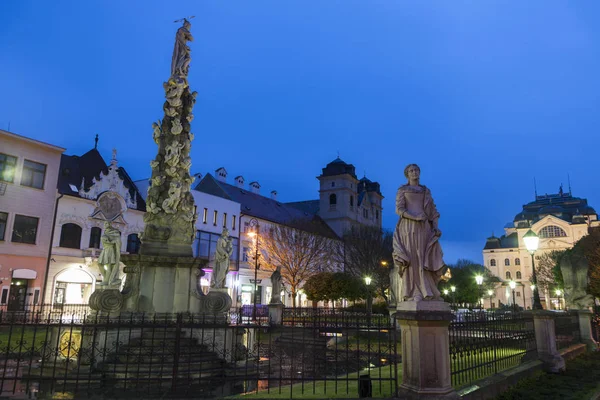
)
(73, 286)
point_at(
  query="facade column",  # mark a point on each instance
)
(545, 338)
(425, 350)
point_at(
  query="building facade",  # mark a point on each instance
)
(91, 194)
(28, 176)
(559, 220)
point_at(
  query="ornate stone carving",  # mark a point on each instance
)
(217, 301)
(106, 300)
(222, 255)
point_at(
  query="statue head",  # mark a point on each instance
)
(107, 225)
(225, 233)
(412, 171)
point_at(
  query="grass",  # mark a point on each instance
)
(479, 365)
(21, 338)
(579, 381)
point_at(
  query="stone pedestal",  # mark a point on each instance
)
(545, 337)
(585, 329)
(425, 350)
(164, 284)
(216, 302)
(276, 314)
(106, 301)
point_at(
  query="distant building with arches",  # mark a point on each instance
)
(559, 220)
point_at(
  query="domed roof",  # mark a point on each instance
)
(339, 167)
(587, 210)
(551, 209)
(338, 161)
(524, 216)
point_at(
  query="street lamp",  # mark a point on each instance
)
(490, 294)
(368, 283)
(558, 293)
(479, 280)
(513, 285)
(453, 290)
(253, 223)
(446, 292)
(532, 242)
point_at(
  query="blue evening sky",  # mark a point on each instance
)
(484, 95)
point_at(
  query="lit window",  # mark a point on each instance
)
(70, 236)
(518, 274)
(552, 231)
(215, 215)
(506, 262)
(33, 174)
(224, 220)
(8, 164)
(25, 229)
(517, 261)
(3, 219)
(508, 275)
(492, 262)
(205, 215)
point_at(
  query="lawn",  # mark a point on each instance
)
(479, 364)
(580, 381)
(21, 338)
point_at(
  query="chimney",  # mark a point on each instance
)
(274, 194)
(221, 174)
(255, 187)
(239, 181)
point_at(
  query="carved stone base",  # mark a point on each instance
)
(425, 350)
(545, 339)
(217, 301)
(585, 329)
(276, 313)
(106, 301)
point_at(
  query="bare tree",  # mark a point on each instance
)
(301, 249)
(545, 273)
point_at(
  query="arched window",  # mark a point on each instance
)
(551, 231)
(518, 274)
(506, 262)
(332, 199)
(493, 262)
(133, 244)
(517, 261)
(508, 275)
(70, 236)
(95, 237)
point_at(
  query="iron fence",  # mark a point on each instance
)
(195, 356)
(38, 313)
(566, 326)
(313, 316)
(485, 343)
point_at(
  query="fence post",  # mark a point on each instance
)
(545, 338)
(425, 350)
(585, 329)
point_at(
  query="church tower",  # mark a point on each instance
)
(345, 200)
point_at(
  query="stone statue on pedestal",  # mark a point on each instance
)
(417, 250)
(110, 256)
(574, 267)
(222, 255)
(276, 286)
(180, 62)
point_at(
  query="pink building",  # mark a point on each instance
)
(28, 177)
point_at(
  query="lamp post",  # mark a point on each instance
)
(453, 290)
(558, 293)
(479, 280)
(253, 223)
(513, 285)
(532, 242)
(490, 294)
(368, 283)
(532, 289)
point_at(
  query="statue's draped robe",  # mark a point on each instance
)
(276, 287)
(222, 255)
(417, 246)
(110, 255)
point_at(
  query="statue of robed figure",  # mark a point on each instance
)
(417, 250)
(276, 286)
(180, 62)
(222, 255)
(110, 256)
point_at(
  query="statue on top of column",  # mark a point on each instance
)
(180, 63)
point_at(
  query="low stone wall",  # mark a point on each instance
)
(493, 386)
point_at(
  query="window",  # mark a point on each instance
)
(36, 296)
(133, 243)
(245, 254)
(233, 222)
(518, 274)
(377, 215)
(3, 219)
(4, 296)
(365, 213)
(8, 164)
(33, 174)
(508, 275)
(95, 235)
(206, 243)
(517, 261)
(70, 236)
(518, 294)
(215, 216)
(351, 201)
(506, 262)
(332, 184)
(332, 199)
(224, 220)
(551, 231)
(492, 262)
(205, 215)
(24, 229)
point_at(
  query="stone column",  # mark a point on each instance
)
(276, 314)
(585, 329)
(545, 338)
(425, 350)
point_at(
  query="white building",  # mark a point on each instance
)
(91, 192)
(560, 220)
(28, 176)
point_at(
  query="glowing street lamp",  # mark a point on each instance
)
(453, 290)
(446, 292)
(490, 294)
(479, 280)
(532, 242)
(513, 285)
(368, 280)
(558, 293)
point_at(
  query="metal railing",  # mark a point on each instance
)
(311, 316)
(46, 313)
(566, 327)
(485, 343)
